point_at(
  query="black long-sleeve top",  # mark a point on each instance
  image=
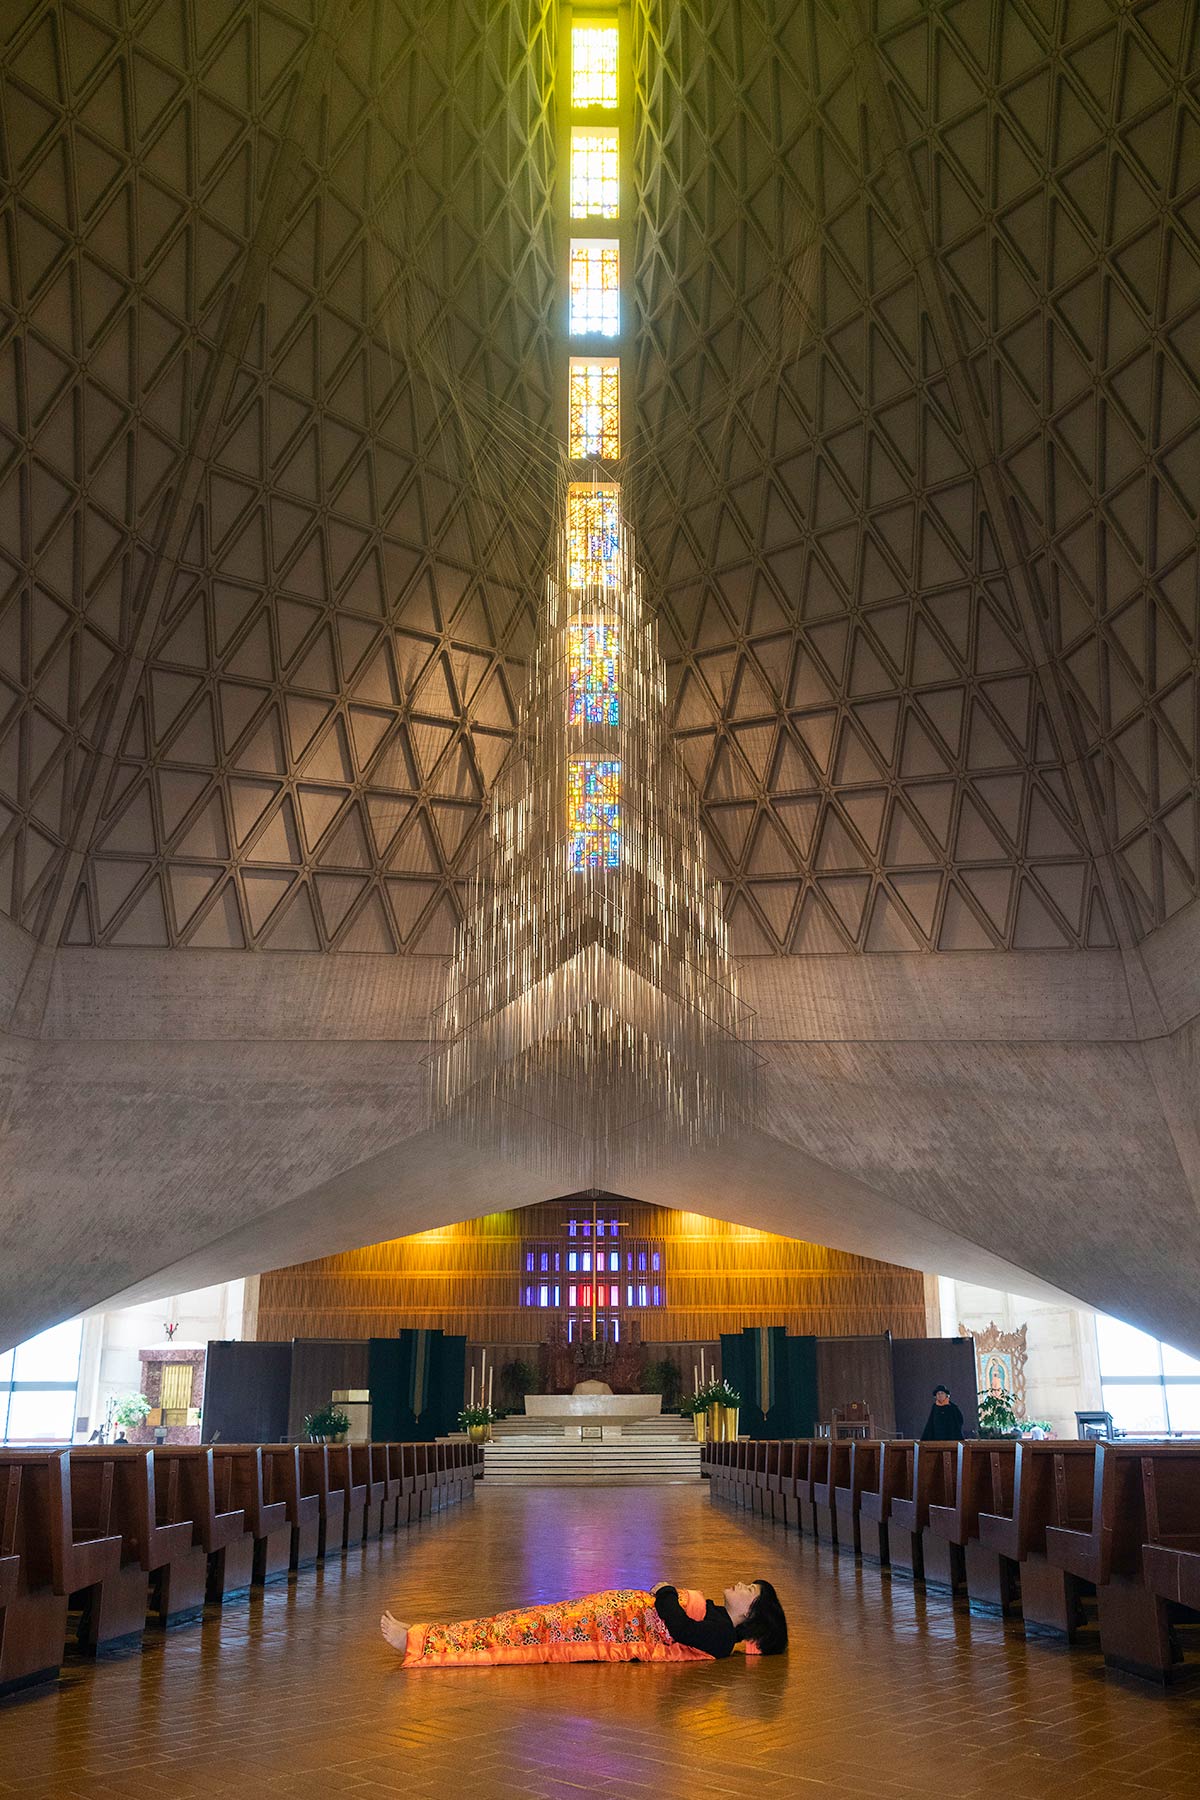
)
(715, 1633)
(943, 1424)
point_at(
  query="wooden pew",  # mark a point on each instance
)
(239, 1482)
(414, 1476)
(393, 1481)
(802, 1480)
(113, 1492)
(402, 1477)
(1052, 1487)
(370, 1472)
(1135, 1627)
(928, 1475)
(283, 1480)
(863, 1473)
(983, 1479)
(778, 1452)
(314, 1471)
(342, 1475)
(757, 1465)
(836, 1472)
(818, 1477)
(188, 1474)
(37, 1529)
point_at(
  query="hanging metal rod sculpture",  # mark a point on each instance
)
(591, 1021)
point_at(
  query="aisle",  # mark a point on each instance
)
(883, 1693)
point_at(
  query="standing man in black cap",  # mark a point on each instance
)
(945, 1421)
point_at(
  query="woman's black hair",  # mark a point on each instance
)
(766, 1622)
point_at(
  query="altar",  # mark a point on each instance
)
(592, 1417)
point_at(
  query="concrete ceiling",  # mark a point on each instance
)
(914, 464)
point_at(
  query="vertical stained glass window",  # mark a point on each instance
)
(595, 403)
(594, 813)
(595, 285)
(595, 173)
(594, 65)
(593, 536)
(592, 676)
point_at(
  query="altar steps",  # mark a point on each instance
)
(653, 1460)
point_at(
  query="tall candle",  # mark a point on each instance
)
(695, 1379)
(491, 1378)
(702, 1364)
(472, 1384)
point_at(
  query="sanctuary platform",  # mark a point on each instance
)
(561, 1448)
(592, 1416)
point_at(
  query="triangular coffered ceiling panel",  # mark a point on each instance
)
(913, 432)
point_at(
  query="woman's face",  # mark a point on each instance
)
(739, 1600)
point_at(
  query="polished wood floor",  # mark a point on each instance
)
(883, 1693)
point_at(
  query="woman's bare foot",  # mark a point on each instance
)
(395, 1632)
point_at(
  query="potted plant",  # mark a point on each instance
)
(476, 1421)
(997, 1416)
(729, 1401)
(328, 1425)
(710, 1397)
(695, 1408)
(131, 1411)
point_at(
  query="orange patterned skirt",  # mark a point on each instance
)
(618, 1625)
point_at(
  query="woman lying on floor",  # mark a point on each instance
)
(661, 1624)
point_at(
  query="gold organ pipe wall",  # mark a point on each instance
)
(468, 1278)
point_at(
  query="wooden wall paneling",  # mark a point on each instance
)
(468, 1278)
(857, 1368)
(319, 1366)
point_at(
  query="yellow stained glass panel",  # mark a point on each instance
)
(595, 288)
(592, 674)
(595, 396)
(595, 173)
(594, 65)
(593, 536)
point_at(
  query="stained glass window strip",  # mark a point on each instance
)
(595, 287)
(593, 536)
(592, 676)
(594, 65)
(593, 813)
(595, 396)
(595, 173)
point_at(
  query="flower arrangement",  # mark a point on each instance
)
(475, 1415)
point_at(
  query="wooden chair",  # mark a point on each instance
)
(853, 1420)
(1052, 1487)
